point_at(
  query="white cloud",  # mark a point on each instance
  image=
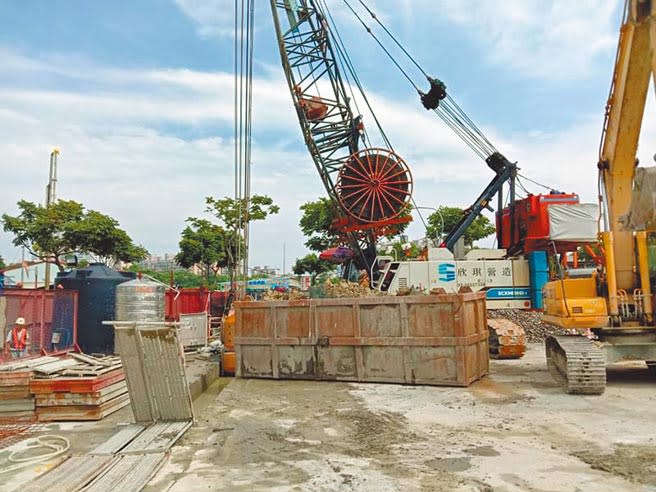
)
(555, 39)
(213, 17)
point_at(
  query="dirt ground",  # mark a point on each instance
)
(513, 431)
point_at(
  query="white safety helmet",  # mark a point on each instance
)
(20, 321)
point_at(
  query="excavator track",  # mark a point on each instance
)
(577, 364)
(507, 340)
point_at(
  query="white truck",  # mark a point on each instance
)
(506, 281)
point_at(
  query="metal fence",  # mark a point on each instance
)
(51, 318)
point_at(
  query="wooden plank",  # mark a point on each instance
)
(27, 363)
(119, 440)
(20, 405)
(128, 474)
(12, 379)
(94, 361)
(81, 371)
(75, 384)
(55, 367)
(94, 398)
(157, 438)
(14, 393)
(70, 476)
(81, 412)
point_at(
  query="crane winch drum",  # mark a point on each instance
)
(374, 185)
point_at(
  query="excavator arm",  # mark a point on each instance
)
(636, 59)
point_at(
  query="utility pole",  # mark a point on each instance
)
(51, 197)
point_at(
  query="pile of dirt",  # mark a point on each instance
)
(349, 289)
(536, 329)
(330, 289)
(292, 295)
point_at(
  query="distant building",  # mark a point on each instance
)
(161, 263)
(263, 270)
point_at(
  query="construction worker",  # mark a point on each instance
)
(17, 339)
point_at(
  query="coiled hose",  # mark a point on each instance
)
(24, 456)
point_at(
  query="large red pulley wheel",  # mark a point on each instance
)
(374, 185)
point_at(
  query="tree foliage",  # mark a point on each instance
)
(311, 264)
(401, 251)
(2, 263)
(317, 224)
(203, 243)
(65, 227)
(227, 210)
(481, 226)
(216, 246)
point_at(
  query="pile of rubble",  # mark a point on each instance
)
(536, 329)
(349, 289)
(329, 289)
(292, 295)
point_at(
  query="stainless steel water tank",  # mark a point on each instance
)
(140, 300)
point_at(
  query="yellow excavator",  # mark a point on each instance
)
(614, 306)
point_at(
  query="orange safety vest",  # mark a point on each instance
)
(19, 343)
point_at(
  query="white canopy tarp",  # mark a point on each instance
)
(575, 223)
(642, 214)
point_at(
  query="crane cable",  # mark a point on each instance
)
(347, 64)
(244, 11)
(447, 110)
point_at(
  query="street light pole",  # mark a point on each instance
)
(51, 197)
(438, 236)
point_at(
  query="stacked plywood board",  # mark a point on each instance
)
(70, 387)
(79, 388)
(16, 401)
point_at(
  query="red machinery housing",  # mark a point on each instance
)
(524, 226)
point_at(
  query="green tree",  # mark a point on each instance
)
(204, 243)
(481, 226)
(65, 227)
(216, 246)
(311, 264)
(227, 210)
(317, 224)
(2, 263)
(400, 251)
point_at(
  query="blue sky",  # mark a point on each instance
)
(138, 96)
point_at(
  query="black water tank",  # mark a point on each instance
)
(96, 285)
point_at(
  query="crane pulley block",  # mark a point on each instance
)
(437, 92)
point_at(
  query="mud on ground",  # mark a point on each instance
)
(513, 431)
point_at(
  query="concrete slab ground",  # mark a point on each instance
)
(514, 431)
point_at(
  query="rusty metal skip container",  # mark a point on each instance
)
(431, 339)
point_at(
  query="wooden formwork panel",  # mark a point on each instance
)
(61, 413)
(440, 340)
(76, 384)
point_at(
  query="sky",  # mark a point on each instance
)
(138, 98)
